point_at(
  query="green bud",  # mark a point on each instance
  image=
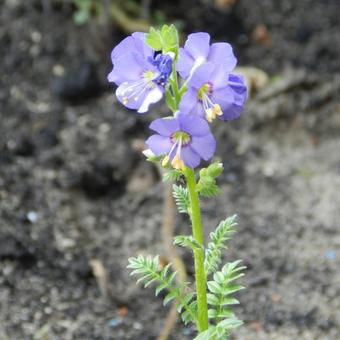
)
(215, 169)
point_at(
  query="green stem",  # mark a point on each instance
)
(197, 231)
(174, 84)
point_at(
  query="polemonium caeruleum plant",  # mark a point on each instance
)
(146, 69)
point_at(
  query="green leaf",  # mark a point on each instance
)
(234, 288)
(172, 175)
(220, 331)
(229, 301)
(231, 267)
(219, 277)
(187, 241)
(219, 238)
(230, 323)
(209, 334)
(170, 101)
(147, 269)
(154, 39)
(181, 196)
(170, 38)
(160, 288)
(225, 313)
(219, 297)
(165, 39)
(213, 299)
(212, 313)
(170, 296)
(214, 287)
(186, 301)
(186, 317)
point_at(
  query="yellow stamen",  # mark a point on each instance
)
(125, 100)
(177, 163)
(165, 160)
(217, 110)
(213, 112)
(210, 115)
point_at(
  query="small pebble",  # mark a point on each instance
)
(36, 37)
(330, 255)
(32, 216)
(137, 325)
(115, 322)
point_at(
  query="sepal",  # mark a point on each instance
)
(165, 39)
(206, 185)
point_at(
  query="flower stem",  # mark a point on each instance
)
(174, 84)
(197, 231)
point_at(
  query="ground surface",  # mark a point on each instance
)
(74, 188)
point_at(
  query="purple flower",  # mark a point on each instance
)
(213, 92)
(183, 139)
(197, 51)
(140, 73)
(133, 43)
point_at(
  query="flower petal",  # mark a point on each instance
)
(232, 104)
(134, 43)
(125, 46)
(232, 98)
(130, 67)
(185, 63)
(188, 101)
(141, 46)
(197, 45)
(201, 75)
(204, 146)
(222, 53)
(165, 126)
(223, 97)
(190, 157)
(153, 96)
(219, 77)
(135, 101)
(193, 125)
(237, 83)
(159, 145)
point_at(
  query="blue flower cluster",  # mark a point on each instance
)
(211, 91)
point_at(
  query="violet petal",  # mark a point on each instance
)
(159, 145)
(165, 127)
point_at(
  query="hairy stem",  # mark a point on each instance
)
(197, 231)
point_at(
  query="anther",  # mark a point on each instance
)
(177, 163)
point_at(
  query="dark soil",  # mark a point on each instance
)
(74, 187)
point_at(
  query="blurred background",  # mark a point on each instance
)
(77, 198)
